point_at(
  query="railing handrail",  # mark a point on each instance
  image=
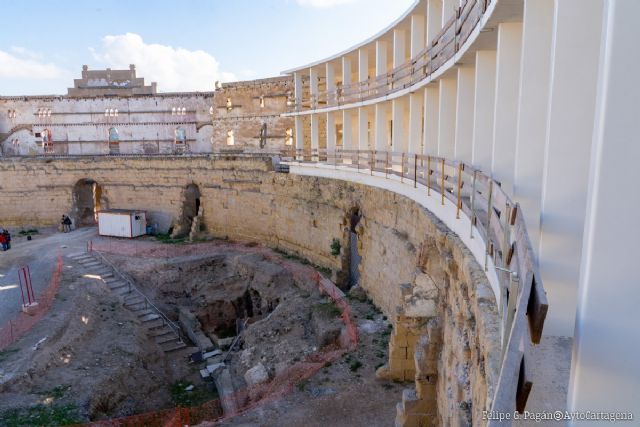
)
(430, 59)
(522, 300)
(147, 301)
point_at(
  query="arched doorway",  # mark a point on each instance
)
(87, 201)
(354, 254)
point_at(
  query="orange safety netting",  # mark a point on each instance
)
(24, 321)
(250, 397)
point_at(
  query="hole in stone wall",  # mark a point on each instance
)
(87, 202)
(354, 253)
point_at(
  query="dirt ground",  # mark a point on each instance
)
(97, 362)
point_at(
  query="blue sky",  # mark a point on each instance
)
(181, 44)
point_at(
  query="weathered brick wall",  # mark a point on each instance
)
(243, 107)
(412, 266)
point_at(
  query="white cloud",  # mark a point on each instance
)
(323, 3)
(174, 69)
(25, 64)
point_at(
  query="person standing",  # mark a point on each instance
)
(3, 241)
(67, 223)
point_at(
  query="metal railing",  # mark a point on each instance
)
(442, 48)
(496, 219)
(132, 288)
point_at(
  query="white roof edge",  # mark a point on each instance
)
(359, 45)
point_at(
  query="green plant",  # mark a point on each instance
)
(335, 247)
(327, 309)
(166, 238)
(355, 365)
(41, 415)
(302, 385)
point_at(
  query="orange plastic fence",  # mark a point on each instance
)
(249, 397)
(23, 322)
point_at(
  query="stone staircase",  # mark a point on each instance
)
(156, 324)
(195, 225)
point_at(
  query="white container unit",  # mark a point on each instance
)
(121, 223)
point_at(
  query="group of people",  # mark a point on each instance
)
(5, 239)
(66, 223)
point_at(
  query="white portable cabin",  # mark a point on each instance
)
(121, 223)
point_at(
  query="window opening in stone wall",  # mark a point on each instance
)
(47, 141)
(114, 141)
(180, 139)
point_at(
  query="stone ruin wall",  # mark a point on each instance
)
(145, 123)
(243, 107)
(445, 338)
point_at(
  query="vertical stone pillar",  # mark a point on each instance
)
(605, 366)
(416, 102)
(574, 77)
(447, 117)
(484, 107)
(297, 88)
(381, 57)
(449, 8)
(380, 121)
(535, 76)
(363, 65)
(363, 128)
(299, 133)
(431, 119)
(464, 113)
(398, 112)
(313, 87)
(347, 130)
(417, 34)
(346, 71)
(330, 72)
(434, 19)
(399, 47)
(505, 119)
(315, 134)
(331, 132)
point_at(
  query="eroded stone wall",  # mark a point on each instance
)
(418, 272)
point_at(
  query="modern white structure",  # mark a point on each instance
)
(122, 223)
(542, 96)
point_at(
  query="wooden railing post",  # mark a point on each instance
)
(386, 164)
(473, 203)
(428, 175)
(415, 171)
(401, 168)
(489, 209)
(459, 204)
(442, 182)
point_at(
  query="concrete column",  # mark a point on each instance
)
(416, 101)
(363, 128)
(363, 65)
(417, 34)
(447, 118)
(331, 131)
(331, 83)
(380, 126)
(449, 8)
(297, 88)
(605, 366)
(347, 130)
(398, 137)
(574, 75)
(313, 87)
(299, 133)
(464, 113)
(505, 119)
(346, 71)
(431, 119)
(381, 57)
(315, 135)
(399, 47)
(434, 19)
(532, 111)
(484, 107)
